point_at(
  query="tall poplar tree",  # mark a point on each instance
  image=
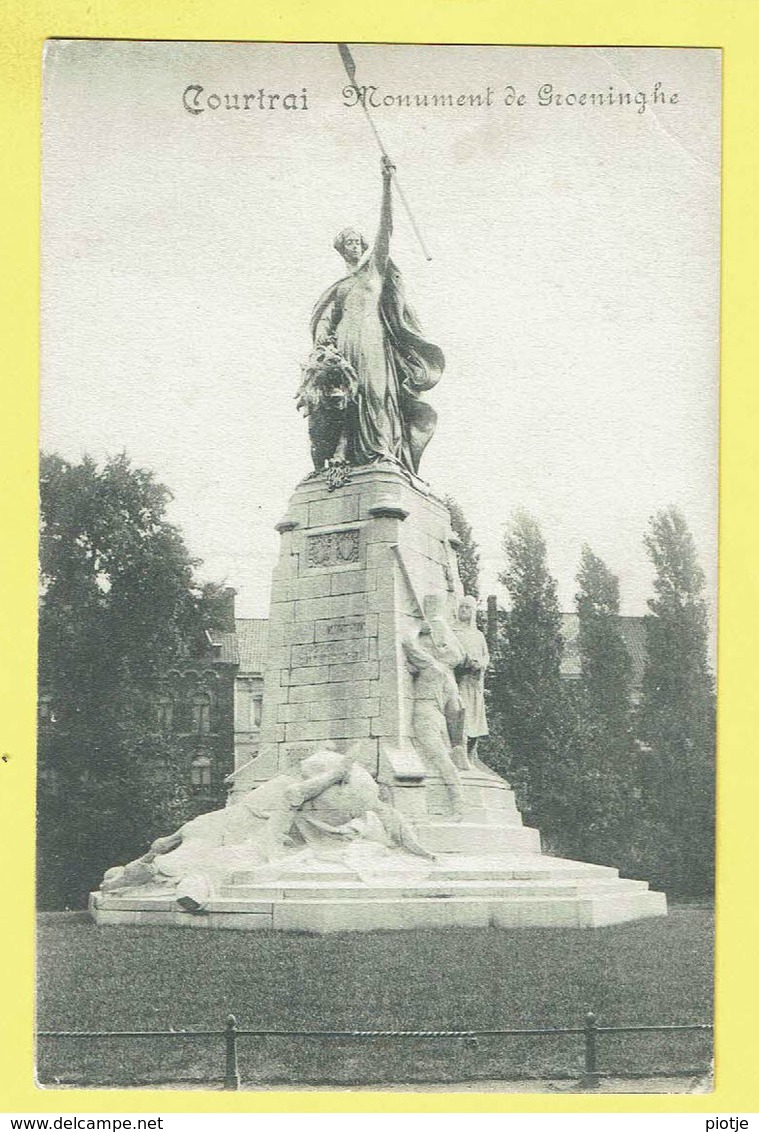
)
(526, 696)
(467, 553)
(677, 716)
(605, 755)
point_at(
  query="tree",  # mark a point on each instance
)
(467, 554)
(532, 734)
(605, 756)
(677, 714)
(604, 657)
(119, 604)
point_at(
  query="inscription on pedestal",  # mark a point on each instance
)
(329, 652)
(332, 548)
(341, 629)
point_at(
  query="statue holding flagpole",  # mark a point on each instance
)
(362, 386)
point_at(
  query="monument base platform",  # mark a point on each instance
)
(474, 892)
(488, 871)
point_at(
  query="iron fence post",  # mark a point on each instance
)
(231, 1071)
(590, 1079)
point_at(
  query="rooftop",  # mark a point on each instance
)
(251, 634)
(632, 631)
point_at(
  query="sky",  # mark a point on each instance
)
(573, 286)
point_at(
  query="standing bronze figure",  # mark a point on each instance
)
(371, 363)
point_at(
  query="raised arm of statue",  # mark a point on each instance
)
(381, 362)
(385, 230)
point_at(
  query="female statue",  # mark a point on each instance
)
(370, 361)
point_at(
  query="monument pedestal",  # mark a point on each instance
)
(354, 565)
(343, 598)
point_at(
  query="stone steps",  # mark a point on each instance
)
(569, 912)
(457, 868)
(527, 890)
(583, 910)
(239, 898)
(532, 867)
(429, 890)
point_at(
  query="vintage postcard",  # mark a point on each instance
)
(378, 566)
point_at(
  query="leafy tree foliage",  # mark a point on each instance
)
(606, 665)
(118, 604)
(602, 780)
(677, 714)
(467, 553)
(605, 780)
(531, 740)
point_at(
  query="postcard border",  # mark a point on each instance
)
(729, 24)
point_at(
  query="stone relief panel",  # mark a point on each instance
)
(332, 548)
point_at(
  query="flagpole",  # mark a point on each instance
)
(350, 68)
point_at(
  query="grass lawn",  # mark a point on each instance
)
(654, 972)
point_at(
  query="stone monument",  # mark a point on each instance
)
(367, 805)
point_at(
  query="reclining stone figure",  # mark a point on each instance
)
(329, 802)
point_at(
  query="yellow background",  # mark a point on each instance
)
(730, 24)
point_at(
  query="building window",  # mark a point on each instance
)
(200, 773)
(255, 713)
(201, 714)
(165, 714)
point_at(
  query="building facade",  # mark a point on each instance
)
(212, 704)
(206, 707)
